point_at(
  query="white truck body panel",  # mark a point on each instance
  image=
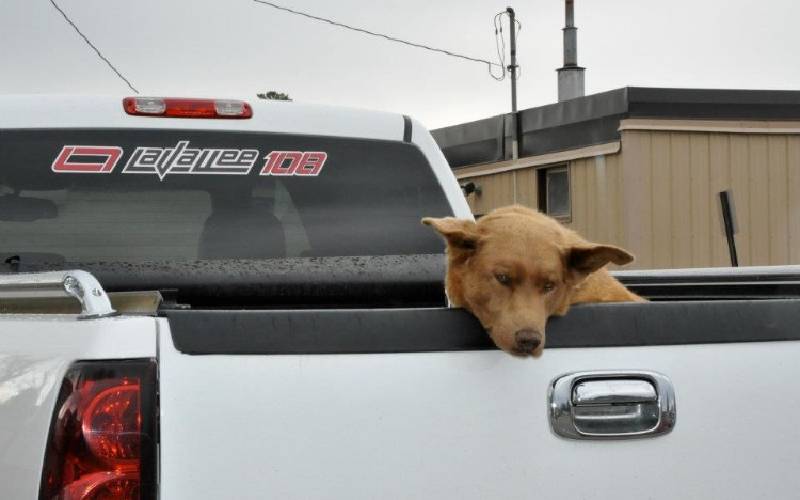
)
(93, 111)
(35, 351)
(470, 425)
(424, 140)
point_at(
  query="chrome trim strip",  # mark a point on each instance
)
(710, 272)
(80, 285)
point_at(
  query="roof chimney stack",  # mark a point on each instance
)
(571, 77)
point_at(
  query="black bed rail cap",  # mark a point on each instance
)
(360, 331)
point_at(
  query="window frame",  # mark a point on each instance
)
(542, 198)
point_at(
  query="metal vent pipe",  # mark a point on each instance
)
(571, 77)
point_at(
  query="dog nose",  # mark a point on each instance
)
(527, 339)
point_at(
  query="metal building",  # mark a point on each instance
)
(642, 168)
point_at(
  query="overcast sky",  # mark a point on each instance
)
(238, 48)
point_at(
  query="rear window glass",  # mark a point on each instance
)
(157, 195)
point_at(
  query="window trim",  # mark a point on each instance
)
(541, 199)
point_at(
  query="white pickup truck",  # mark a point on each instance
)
(206, 299)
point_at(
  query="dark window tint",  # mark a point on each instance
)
(367, 199)
(554, 196)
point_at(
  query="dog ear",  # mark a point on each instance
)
(459, 233)
(586, 259)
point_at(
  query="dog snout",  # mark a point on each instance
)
(527, 340)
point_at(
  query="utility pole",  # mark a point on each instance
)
(512, 68)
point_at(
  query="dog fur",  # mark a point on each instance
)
(516, 267)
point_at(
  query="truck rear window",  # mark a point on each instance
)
(166, 195)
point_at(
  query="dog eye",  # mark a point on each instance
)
(503, 279)
(549, 287)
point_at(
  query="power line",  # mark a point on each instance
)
(99, 54)
(519, 68)
(498, 41)
(500, 44)
(380, 35)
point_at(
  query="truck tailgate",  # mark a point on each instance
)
(248, 415)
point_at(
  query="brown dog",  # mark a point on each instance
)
(516, 267)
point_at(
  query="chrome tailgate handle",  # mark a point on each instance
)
(613, 391)
(611, 405)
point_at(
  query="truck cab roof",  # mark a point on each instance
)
(105, 111)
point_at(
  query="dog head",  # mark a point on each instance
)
(514, 268)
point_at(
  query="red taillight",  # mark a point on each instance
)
(102, 442)
(178, 107)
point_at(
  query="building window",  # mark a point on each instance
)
(554, 199)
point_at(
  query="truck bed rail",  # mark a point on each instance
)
(720, 283)
(77, 284)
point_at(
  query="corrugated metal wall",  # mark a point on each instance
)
(671, 215)
(658, 197)
(596, 191)
(507, 188)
